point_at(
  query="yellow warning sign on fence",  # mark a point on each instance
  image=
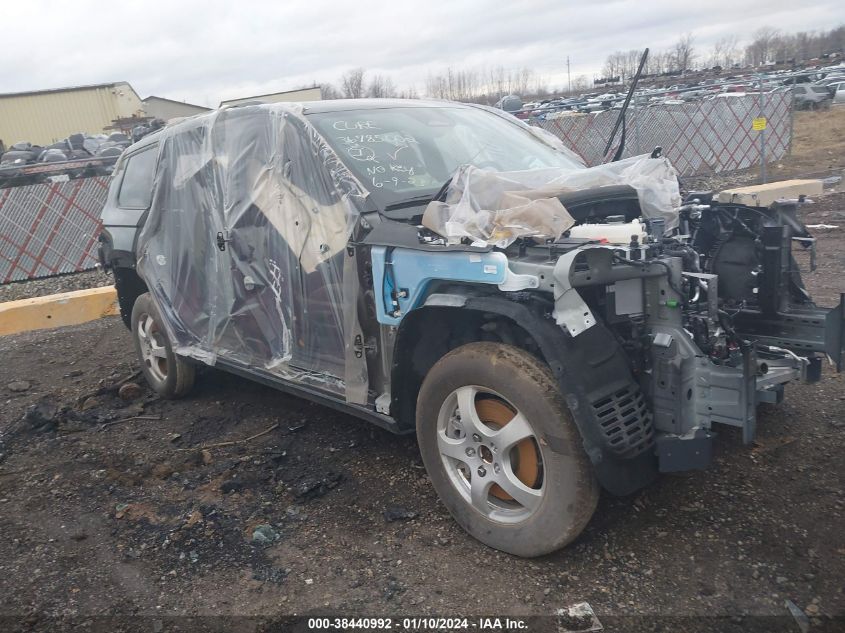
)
(759, 123)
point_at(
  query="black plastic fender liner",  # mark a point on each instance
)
(587, 368)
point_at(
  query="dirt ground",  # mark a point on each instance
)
(145, 510)
(817, 144)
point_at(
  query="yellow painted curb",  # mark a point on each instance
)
(66, 308)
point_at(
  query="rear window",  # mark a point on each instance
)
(800, 91)
(137, 186)
(820, 89)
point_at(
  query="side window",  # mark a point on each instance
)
(136, 189)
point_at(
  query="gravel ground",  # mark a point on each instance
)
(52, 285)
(139, 508)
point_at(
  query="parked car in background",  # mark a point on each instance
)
(798, 79)
(811, 97)
(831, 79)
(834, 85)
(839, 97)
(510, 103)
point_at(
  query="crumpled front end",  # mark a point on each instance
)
(497, 208)
(714, 321)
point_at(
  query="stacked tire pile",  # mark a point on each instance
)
(74, 147)
(16, 161)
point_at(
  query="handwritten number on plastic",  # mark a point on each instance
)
(363, 142)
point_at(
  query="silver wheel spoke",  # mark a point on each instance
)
(479, 492)
(522, 494)
(513, 432)
(454, 448)
(152, 351)
(470, 421)
(142, 334)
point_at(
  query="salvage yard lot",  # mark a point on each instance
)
(155, 516)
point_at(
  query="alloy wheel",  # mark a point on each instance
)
(491, 454)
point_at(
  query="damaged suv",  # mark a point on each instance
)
(546, 329)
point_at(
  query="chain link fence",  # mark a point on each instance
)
(703, 137)
(48, 229)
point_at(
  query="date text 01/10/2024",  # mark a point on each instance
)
(418, 624)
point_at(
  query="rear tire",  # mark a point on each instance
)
(502, 450)
(169, 375)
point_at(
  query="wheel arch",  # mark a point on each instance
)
(429, 332)
(587, 368)
(129, 286)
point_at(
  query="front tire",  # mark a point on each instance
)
(502, 451)
(169, 375)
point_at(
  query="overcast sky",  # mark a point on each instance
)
(206, 51)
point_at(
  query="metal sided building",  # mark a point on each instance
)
(303, 94)
(47, 116)
(169, 109)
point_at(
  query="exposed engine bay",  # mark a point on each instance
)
(703, 299)
(713, 316)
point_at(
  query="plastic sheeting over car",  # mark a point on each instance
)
(244, 248)
(497, 208)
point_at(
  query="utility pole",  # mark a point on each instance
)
(568, 74)
(763, 121)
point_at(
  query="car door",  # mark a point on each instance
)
(321, 222)
(286, 235)
(177, 257)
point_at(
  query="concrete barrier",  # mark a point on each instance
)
(66, 308)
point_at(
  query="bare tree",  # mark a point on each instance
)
(762, 48)
(771, 46)
(725, 51)
(458, 85)
(540, 87)
(613, 65)
(435, 86)
(684, 52)
(657, 63)
(623, 64)
(496, 82)
(352, 83)
(408, 93)
(381, 86)
(328, 91)
(519, 80)
(664, 62)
